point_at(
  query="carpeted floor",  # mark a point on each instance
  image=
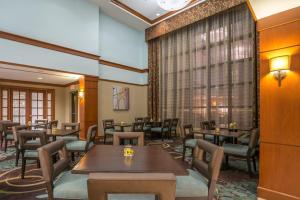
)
(234, 182)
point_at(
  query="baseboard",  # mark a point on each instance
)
(269, 194)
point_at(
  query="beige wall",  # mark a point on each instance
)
(62, 99)
(137, 103)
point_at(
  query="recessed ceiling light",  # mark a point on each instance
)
(157, 14)
(40, 78)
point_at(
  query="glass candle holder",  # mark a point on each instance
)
(128, 151)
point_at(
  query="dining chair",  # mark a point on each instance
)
(131, 186)
(206, 125)
(139, 119)
(201, 182)
(164, 129)
(83, 146)
(52, 124)
(137, 127)
(188, 139)
(243, 151)
(60, 182)
(41, 123)
(28, 149)
(174, 125)
(70, 126)
(15, 130)
(108, 128)
(8, 134)
(139, 136)
(147, 126)
(1, 131)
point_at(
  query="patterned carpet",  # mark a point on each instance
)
(234, 182)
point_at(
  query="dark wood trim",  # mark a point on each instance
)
(296, 45)
(251, 10)
(143, 17)
(46, 45)
(121, 66)
(122, 82)
(72, 83)
(42, 68)
(31, 82)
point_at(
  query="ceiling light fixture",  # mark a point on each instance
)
(171, 5)
(157, 14)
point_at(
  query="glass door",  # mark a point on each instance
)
(37, 106)
(4, 105)
(19, 106)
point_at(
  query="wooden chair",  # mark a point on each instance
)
(15, 130)
(135, 185)
(70, 126)
(206, 125)
(174, 125)
(29, 149)
(52, 124)
(139, 119)
(129, 135)
(201, 184)
(60, 183)
(8, 134)
(244, 151)
(188, 139)
(83, 146)
(108, 128)
(41, 123)
(164, 129)
(137, 127)
(1, 131)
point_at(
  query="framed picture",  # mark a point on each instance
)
(120, 98)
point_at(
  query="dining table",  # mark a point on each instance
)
(146, 159)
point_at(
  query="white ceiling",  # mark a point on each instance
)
(34, 75)
(149, 8)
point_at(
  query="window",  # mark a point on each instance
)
(21, 104)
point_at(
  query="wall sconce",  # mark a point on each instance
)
(81, 94)
(279, 67)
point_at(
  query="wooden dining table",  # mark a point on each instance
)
(146, 159)
(52, 132)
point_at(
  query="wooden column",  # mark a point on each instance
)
(280, 108)
(88, 103)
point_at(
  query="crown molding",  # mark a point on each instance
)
(46, 45)
(121, 66)
(122, 82)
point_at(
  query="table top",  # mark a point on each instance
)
(57, 132)
(147, 159)
(223, 132)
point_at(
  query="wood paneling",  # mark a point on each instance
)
(88, 104)
(280, 108)
(46, 45)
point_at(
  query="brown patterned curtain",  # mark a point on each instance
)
(206, 71)
(153, 78)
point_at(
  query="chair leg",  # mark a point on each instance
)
(249, 166)
(5, 145)
(17, 156)
(72, 156)
(227, 160)
(254, 163)
(104, 140)
(183, 153)
(162, 136)
(23, 166)
(38, 164)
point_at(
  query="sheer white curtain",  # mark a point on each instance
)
(207, 70)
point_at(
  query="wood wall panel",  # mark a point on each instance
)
(88, 104)
(280, 108)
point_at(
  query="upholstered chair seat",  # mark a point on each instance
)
(110, 131)
(159, 129)
(70, 186)
(68, 138)
(193, 185)
(9, 136)
(31, 154)
(236, 149)
(191, 143)
(147, 128)
(78, 145)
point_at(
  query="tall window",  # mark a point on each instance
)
(4, 105)
(207, 70)
(21, 104)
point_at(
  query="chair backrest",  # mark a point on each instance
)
(205, 125)
(167, 123)
(187, 129)
(91, 135)
(128, 135)
(41, 121)
(175, 122)
(25, 136)
(108, 124)
(139, 119)
(212, 124)
(147, 119)
(254, 137)
(15, 130)
(137, 127)
(51, 170)
(70, 126)
(162, 185)
(211, 168)
(52, 124)
(1, 124)
(7, 127)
